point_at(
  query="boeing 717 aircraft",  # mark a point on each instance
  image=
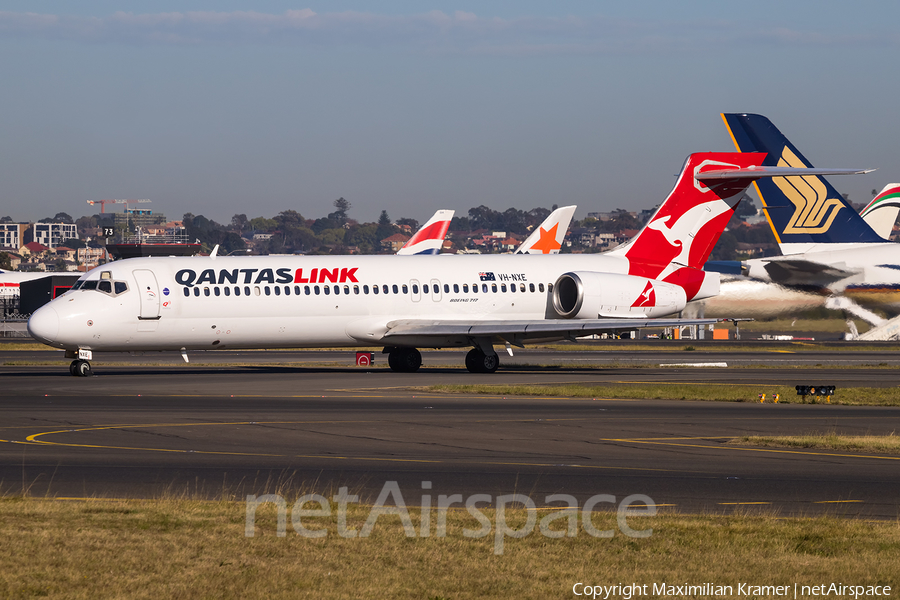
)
(407, 302)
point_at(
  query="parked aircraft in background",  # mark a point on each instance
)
(429, 239)
(409, 302)
(881, 213)
(547, 238)
(826, 245)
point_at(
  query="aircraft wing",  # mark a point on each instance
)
(804, 272)
(517, 332)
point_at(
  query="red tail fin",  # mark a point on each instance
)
(688, 224)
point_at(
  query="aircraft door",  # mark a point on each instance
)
(435, 290)
(148, 290)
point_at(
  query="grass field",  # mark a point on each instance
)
(183, 548)
(861, 396)
(888, 444)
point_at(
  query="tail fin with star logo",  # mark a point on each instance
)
(548, 237)
(803, 211)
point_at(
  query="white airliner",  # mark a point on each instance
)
(407, 302)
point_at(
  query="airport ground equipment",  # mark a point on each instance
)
(815, 391)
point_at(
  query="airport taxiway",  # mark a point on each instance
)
(144, 430)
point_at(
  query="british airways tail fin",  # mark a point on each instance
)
(430, 237)
(803, 211)
(548, 237)
(881, 212)
(680, 236)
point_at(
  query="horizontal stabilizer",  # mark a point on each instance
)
(804, 272)
(764, 171)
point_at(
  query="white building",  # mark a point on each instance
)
(12, 235)
(54, 234)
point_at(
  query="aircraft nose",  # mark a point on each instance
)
(44, 324)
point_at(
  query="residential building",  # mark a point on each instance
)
(54, 234)
(12, 235)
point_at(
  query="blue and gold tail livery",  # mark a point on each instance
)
(802, 210)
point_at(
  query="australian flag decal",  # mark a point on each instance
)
(489, 276)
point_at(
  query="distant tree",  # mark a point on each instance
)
(482, 217)
(6, 220)
(364, 237)
(460, 224)
(86, 225)
(745, 209)
(340, 215)
(60, 217)
(385, 226)
(263, 224)
(5, 261)
(240, 222)
(725, 248)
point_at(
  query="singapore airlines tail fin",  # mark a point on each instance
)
(548, 237)
(678, 239)
(881, 213)
(805, 210)
(430, 237)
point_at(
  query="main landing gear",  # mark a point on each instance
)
(404, 360)
(479, 362)
(408, 360)
(80, 368)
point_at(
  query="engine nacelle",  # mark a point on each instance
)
(590, 295)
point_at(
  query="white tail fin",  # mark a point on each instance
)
(548, 237)
(881, 213)
(430, 237)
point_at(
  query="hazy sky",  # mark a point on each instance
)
(228, 107)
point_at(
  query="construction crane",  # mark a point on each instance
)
(103, 203)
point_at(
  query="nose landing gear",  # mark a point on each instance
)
(80, 368)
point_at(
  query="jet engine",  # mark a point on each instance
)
(590, 295)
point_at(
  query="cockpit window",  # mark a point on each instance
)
(105, 285)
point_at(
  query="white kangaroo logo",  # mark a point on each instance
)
(681, 234)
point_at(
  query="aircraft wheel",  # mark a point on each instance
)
(405, 360)
(72, 366)
(81, 368)
(472, 360)
(479, 362)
